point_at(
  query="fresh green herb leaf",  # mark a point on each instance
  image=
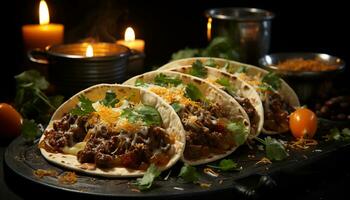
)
(271, 79)
(274, 149)
(149, 115)
(198, 69)
(239, 132)
(193, 92)
(221, 47)
(130, 115)
(186, 53)
(226, 165)
(110, 99)
(33, 79)
(30, 129)
(189, 173)
(84, 107)
(242, 69)
(337, 135)
(164, 80)
(210, 63)
(226, 65)
(230, 89)
(146, 181)
(140, 83)
(176, 106)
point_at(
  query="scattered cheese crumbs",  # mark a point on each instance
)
(135, 190)
(251, 156)
(318, 150)
(303, 143)
(221, 181)
(210, 172)
(178, 188)
(167, 176)
(204, 185)
(68, 178)
(107, 114)
(171, 95)
(40, 173)
(264, 161)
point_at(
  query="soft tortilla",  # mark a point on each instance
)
(286, 92)
(213, 94)
(171, 122)
(243, 90)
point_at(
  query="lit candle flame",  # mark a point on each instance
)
(44, 17)
(89, 51)
(209, 28)
(129, 34)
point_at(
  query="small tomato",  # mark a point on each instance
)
(303, 123)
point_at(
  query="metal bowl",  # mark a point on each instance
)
(309, 85)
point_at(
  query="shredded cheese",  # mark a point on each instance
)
(303, 143)
(264, 161)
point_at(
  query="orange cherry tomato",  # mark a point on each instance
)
(10, 121)
(303, 123)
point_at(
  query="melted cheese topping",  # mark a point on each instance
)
(74, 149)
(174, 94)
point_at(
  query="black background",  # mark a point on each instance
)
(167, 26)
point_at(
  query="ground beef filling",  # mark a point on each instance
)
(251, 112)
(106, 148)
(131, 150)
(276, 113)
(206, 132)
(66, 132)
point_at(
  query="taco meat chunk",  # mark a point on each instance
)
(206, 131)
(276, 113)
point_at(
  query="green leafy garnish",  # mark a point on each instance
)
(242, 69)
(230, 89)
(198, 69)
(186, 53)
(149, 115)
(140, 83)
(164, 80)
(337, 135)
(271, 79)
(145, 113)
(210, 63)
(146, 181)
(30, 129)
(273, 148)
(226, 165)
(176, 106)
(84, 107)
(33, 79)
(129, 114)
(193, 92)
(239, 132)
(110, 99)
(189, 173)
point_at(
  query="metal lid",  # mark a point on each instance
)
(240, 14)
(102, 51)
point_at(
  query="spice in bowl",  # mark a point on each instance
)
(301, 64)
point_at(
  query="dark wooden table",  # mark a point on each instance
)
(324, 179)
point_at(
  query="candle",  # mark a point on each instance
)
(131, 42)
(43, 34)
(89, 51)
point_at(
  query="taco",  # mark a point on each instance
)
(278, 98)
(215, 123)
(243, 93)
(114, 131)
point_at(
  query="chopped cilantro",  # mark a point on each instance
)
(230, 89)
(271, 79)
(176, 106)
(149, 115)
(30, 129)
(274, 149)
(146, 181)
(110, 99)
(198, 69)
(239, 132)
(84, 107)
(210, 63)
(140, 83)
(226, 165)
(337, 135)
(193, 92)
(164, 80)
(189, 173)
(242, 69)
